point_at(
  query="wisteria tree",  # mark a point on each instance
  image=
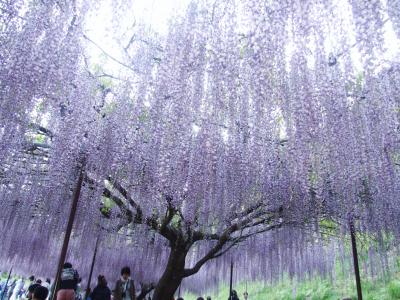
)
(245, 119)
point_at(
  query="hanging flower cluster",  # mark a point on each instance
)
(242, 102)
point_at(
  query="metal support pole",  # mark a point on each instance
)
(5, 291)
(68, 231)
(231, 281)
(91, 270)
(355, 259)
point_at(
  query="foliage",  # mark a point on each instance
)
(315, 289)
(239, 134)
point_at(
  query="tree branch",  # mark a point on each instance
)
(139, 213)
(138, 217)
(42, 130)
(254, 218)
(110, 56)
(124, 209)
(145, 289)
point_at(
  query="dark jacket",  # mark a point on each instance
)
(101, 293)
(119, 289)
(69, 279)
(233, 296)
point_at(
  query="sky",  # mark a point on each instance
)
(102, 26)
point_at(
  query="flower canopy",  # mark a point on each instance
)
(291, 104)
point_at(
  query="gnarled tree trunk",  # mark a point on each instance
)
(173, 274)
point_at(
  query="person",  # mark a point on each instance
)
(208, 297)
(245, 295)
(180, 298)
(47, 283)
(17, 289)
(125, 287)
(40, 293)
(101, 291)
(68, 283)
(22, 291)
(31, 280)
(78, 290)
(234, 296)
(10, 288)
(200, 298)
(31, 289)
(2, 286)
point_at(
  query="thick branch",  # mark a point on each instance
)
(255, 218)
(168, 215)
(30, 147)
(118, 201)
(42, 130)
(138, 218)
(124, 193)
(224, 238)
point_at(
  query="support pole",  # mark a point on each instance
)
(91, 269)
(355, 259)
(68, 231)
(5, 291)
(231, 281)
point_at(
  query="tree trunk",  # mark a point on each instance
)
(172, 276)
(355, 259)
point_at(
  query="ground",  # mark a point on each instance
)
(315, 289)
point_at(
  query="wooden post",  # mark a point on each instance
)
(91, 269)
(355, 259)
(231, 281)
(5, 290)
(68, 231)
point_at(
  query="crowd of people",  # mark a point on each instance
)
(233, 296)
(69, 288)
(19, 288)
(38, 289)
